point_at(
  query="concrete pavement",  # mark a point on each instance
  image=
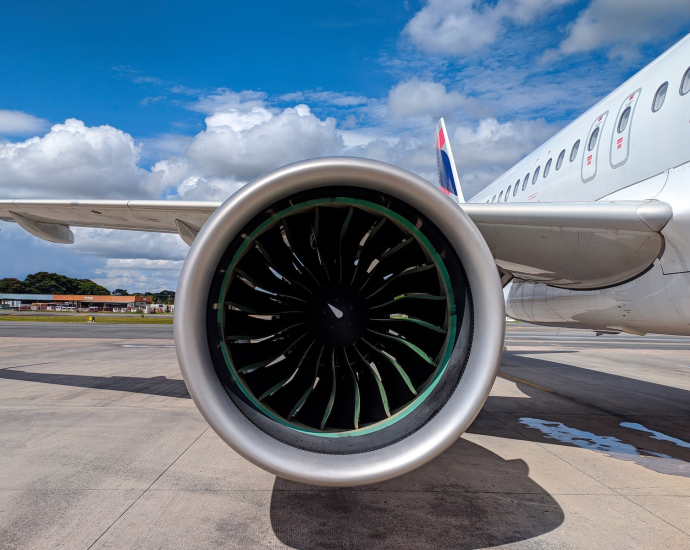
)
(580, 445)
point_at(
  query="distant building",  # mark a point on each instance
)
(68, 302)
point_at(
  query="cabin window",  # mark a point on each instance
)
(517, 186)
(507, 193)
(593, 139)
(685, 84)
(547, 168)
(559, 162)
(573, 152)
(623, 121)
(500, 196)
(524, 183)
(494, 199)
(536, 175)
(659, 97)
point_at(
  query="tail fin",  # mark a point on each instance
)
(447, 172)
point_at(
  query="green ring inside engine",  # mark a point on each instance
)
(337, 317)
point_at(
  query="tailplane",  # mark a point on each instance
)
(447, 172)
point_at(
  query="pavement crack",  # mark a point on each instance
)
(147, 488)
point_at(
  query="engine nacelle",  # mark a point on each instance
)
(339, 322)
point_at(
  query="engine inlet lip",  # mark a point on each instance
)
(303, 466)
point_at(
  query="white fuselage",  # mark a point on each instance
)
(641, 151)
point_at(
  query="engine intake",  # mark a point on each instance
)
(339, 321)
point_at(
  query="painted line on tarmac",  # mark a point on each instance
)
(31, 365)
(143, 346)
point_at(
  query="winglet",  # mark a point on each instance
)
(447, 172)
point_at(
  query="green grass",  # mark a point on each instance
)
(148, 320)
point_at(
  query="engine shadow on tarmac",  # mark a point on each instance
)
(466, 498)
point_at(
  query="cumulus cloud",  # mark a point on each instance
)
(135, 261)
(621, 27)
(415, 98)
(243, 140)
(138, 275)
(127, 245)
(73, 160)
(485, 151)
(460, 27)
(17, 123)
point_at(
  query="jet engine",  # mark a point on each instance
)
(339, 321)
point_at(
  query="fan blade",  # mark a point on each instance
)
(383, 238)
(410, 345)
(286, 272)
(274, 353)
(394, 362)
(329, 407)
(358, 226)
(377, 378)
(304, 397)
(298, 229)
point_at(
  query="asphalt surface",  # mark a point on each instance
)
(584, 442)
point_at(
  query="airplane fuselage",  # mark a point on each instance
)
(632, 145)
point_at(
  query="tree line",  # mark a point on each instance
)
(54, 283)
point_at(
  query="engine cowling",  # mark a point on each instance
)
(339, 321)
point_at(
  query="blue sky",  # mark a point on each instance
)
(172, 100)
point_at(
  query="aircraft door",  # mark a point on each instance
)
(589, 158)
(620, 142)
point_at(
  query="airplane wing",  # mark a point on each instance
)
(573, 245)
(50, 220)
(570, 245)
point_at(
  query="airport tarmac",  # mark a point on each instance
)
(583, 443)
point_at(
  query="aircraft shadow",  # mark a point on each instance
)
(155, 385)
(466, 498)
(597, 403)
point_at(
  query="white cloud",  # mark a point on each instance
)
(413, 151)
(148, 265)
(244, 141)
(128, 245)
(415, 98)
(622, 27)
(460, 27)
(17, 123)
(137, 275)
(336, 99)
(138, 262)
(73, 160)
(152, 99)
(224, 99)
(485, 151)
